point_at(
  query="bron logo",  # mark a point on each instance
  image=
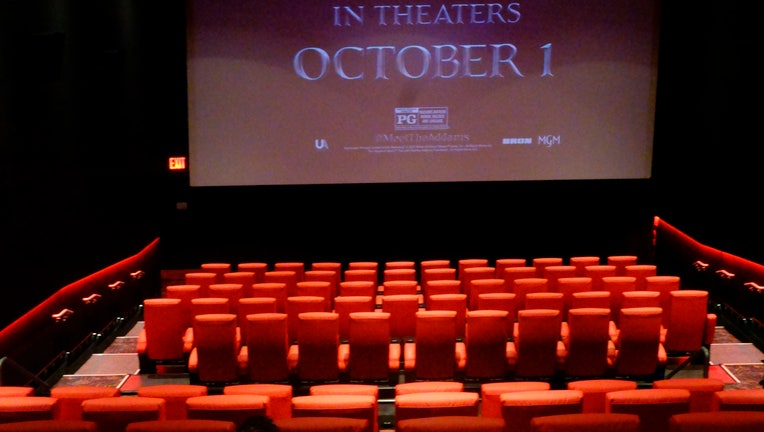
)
(421, 118)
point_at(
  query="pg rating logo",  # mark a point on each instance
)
(421, 118)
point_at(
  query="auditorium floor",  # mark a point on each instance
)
(739, 365)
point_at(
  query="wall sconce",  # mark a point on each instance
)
(63, 315)
(724, 274)
(137, 274)
(754, 287)
(700, 266)
(116, 285)
(92, 298)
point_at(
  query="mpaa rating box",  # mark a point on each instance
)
(408, 118)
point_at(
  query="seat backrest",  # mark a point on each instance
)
(638, 349)
(298, 267)
(185, 293)
(520, 408)
(402, 286)
(502, 302)
(541, 263)
(201, 278)
(717, 421)
(587, 342)
(597, 272)
(544, 300)
(297, 305)
(210, 305)
(399, 274)
(219, 268)
(588, 422)
(358, 288)
(345, 305)
(267, 347)
(481, 286)
(361, 274)
(464, 263)
(664, 284)
(441, 286)
(554, 272)
(245, 278)
(581, 261)
(363, 265)
(164, 326)
(641, 272)
(437, 273)
(521, 287)
(437, 404)
(512, 273)
(653, 406)
(318, 270)
(319, 288)
(745, 399)
(404, 264)
(276, 290)
(329, 276)
(50, 425)
(216, 348)
(186, 425)
(452, 302)
(616, 286)
(115, 413)
(570, 285)
(428, 386)
(70, 398)
(369, 346)
(472, 273)
(252, 305)
(27, 408)
(279, 396)
(450, 423)
(640, 299)
(502, 263)
(333, 406)
(490, 394)
(237, 408)
(174, 395)
(318, 344)
(402, 309)
(425, 265)
(536, 342)
(232, 291)
(435, 343)
(701, 389)
(258, 268)
(287, 277)
(620, 262)
(686, 326)
(486, 344)
(595, 299)
(322, 424)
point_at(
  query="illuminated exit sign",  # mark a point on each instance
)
(177, 163)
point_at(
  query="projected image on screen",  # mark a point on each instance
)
(325, 92)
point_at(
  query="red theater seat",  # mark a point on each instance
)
(186, 425)
(50, 426)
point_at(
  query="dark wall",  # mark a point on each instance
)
(92, 102)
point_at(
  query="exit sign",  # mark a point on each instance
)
(177, 163)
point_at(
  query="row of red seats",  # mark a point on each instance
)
(507, 406)
(588, 343)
